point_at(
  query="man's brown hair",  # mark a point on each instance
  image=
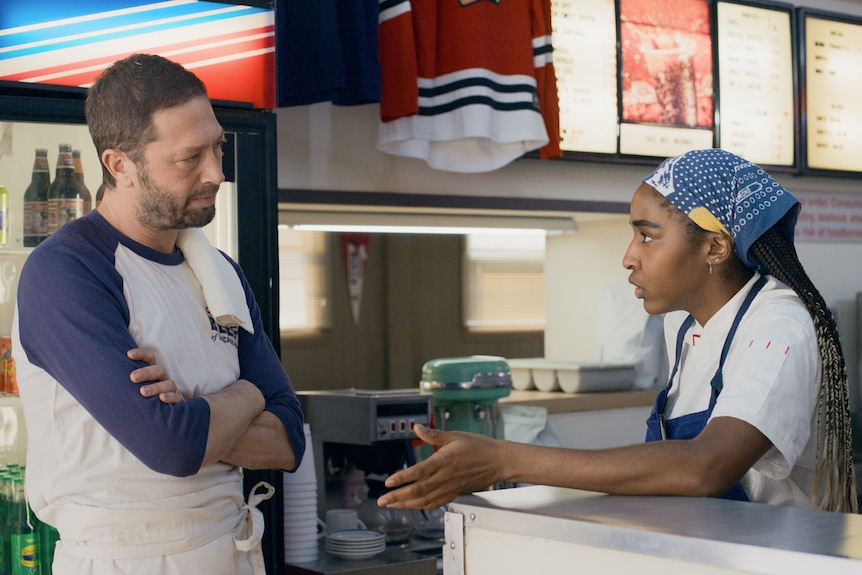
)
(121, 103)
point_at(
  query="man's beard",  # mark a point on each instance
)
(159, 209)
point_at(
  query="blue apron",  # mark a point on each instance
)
(689, 426)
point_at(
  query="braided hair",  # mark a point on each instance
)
(834, 486)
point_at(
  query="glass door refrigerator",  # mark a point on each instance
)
(52, 49)
(44, 117)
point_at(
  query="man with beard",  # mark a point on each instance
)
(143, 403)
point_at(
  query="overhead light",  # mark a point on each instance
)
(420, 223)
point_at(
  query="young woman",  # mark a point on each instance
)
(757, 406)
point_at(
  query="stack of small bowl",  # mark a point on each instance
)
(300, 509)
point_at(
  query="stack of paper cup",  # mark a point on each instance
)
(300, 509)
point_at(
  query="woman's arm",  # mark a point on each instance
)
(708, 465)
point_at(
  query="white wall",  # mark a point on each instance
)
(326, 147)
(578, 267)
(332, 148)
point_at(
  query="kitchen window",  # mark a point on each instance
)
(302, 285)
(501, 261)
(503, 282)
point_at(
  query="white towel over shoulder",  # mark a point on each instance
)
(221, 286)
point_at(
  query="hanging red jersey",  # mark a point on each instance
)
(467, 85)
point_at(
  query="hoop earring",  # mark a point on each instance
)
(710, 267)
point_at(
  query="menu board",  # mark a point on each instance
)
(833, 90)
(756, 87)
(667, 80)
(585, 60)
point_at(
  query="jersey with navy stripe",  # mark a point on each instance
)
(467, 85)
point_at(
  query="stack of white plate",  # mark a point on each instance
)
(301, 522)
(356, 544)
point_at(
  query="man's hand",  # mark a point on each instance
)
(163, 387)
(240, 432)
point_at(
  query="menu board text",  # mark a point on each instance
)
(755, 70)
(833, 85)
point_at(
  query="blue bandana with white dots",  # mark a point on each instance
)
(725, 193)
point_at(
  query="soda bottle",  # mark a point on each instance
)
(8, 376)
(5, 523)
(4, 216)
(36, 201)
(65, 198)
(79, 175)
(24, 548)
(48, 537)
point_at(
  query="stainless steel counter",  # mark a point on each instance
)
(558, 529)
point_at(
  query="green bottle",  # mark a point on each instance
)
(48, 537)
(5, 522)
(24, 548)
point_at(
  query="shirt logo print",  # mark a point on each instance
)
(223, 333)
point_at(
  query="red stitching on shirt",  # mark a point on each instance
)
(786, 349)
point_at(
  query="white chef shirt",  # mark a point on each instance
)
(771, 381)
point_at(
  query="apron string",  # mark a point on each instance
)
(248, 534)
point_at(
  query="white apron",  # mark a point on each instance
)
(231, 547)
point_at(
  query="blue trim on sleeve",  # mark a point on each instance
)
(260, 364)
(73, 323)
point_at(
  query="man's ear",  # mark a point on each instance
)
(121, 167)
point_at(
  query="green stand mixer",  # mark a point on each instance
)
(466, 391)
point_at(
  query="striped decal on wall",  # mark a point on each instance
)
(230, 47)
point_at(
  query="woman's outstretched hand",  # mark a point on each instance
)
(463, 463)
